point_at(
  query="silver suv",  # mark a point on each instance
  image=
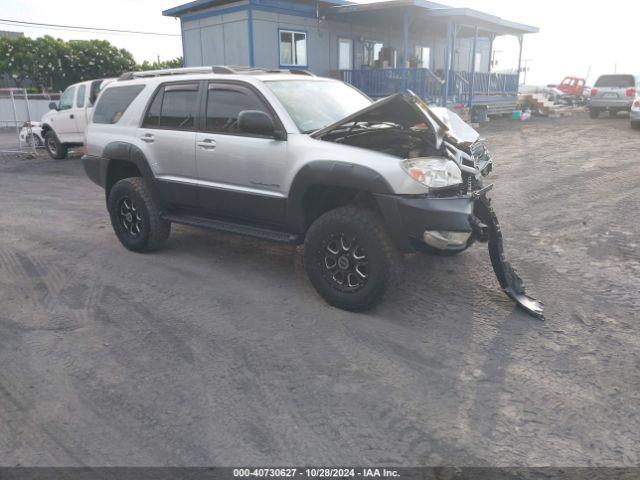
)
(613, 93)
(289, 157)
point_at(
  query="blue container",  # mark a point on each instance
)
(516, 115)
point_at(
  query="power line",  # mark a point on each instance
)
(73, 27)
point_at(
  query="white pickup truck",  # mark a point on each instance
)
(64, 125)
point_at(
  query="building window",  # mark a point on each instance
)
(423, 57)
(372, 53)
(478, 62)
(293, 48)
(345, 54)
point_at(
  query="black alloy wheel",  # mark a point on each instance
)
(346, 263)
(130, 217)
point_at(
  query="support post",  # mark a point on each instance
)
(520, 40)
(491, 59)
(472, 80)
(405, 48)
(447, 63)
(250, 30)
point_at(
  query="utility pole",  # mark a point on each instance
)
(526, 69)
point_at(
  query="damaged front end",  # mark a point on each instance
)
(455, 212)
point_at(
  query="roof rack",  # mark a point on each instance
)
(219, 69)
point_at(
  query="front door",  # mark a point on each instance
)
(168, 138)
(240, 175)
(64, 122)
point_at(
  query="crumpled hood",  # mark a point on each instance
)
(408, 110)
(457, 127)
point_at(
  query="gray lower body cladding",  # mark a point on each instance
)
(408, 217)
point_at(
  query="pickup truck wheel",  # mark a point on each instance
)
(635, 125)
(594, 113)
(135, 217)
(350, 258)
(55, 149)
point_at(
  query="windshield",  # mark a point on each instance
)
(314, 104)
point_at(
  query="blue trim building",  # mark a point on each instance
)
(441, 53)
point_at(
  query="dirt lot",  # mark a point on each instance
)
(216, 350)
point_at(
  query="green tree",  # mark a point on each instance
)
(54, 64)
(177, 62)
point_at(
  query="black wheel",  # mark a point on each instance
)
(350, 258)
(594, 113)
(55, 149)
(635, 125)
(135, 217)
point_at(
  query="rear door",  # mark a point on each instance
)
(240, 175)
(168, 133)
(79, 110)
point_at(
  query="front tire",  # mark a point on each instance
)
(135, 217)
(594, 113)
(635, 125)
(350, 258)
(55, 149)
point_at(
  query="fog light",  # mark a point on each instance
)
(444, 240)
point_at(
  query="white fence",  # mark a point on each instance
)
(38, 106)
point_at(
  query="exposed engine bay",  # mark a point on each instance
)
(403, 126)
(415, 132)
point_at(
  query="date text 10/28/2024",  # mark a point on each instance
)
(315, 473)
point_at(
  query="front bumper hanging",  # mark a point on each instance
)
(509, 280)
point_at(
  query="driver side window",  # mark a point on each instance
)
(66, 100)
(224, 104)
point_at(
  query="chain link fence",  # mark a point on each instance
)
(20, 113)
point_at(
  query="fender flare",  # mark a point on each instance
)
(127, 152)
(330, 173)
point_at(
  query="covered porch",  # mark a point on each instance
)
(460, 53)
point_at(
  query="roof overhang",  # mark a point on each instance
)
(484, 21)
(195, 5)
(427, 10)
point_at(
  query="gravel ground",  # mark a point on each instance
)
(217, 351)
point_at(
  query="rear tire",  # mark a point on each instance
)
(635, 125)
(55, 149)
(350, 258)
(594, 113)
(135, 217)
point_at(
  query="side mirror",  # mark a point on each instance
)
(53, 106)
(256, 122)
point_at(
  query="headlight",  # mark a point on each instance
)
(433, 172)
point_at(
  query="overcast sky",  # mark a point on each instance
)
(574, 35)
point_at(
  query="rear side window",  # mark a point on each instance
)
(114, 102)
(80, 96)
(224, 104)
(616, 81)
(174, 107)
(95, 89)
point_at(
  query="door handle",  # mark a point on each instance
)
(207, 144)
(147, 138)
(71, 116)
